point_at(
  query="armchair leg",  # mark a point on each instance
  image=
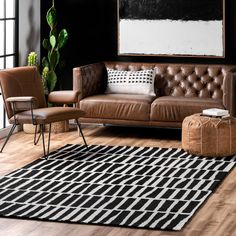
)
(81, 132)
(49, 138)
(42, 133)
(36, 140)
(8, 136)
(43, 139)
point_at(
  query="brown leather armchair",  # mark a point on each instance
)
(25, 103)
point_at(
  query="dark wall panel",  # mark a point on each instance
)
(92, 27)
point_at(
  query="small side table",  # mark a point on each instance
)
(209, 136)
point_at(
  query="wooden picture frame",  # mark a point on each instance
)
(171, 28)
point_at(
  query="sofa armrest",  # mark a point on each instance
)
(229, 92)
(90, 79)
(63, 97)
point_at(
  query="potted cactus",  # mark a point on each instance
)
(52, 44)
(32, 60)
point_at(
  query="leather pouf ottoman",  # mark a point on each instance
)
(208, 136)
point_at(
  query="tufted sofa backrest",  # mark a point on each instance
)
(185, 80)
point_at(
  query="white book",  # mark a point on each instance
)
(215, 112)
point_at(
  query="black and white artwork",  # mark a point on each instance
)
(171, 27)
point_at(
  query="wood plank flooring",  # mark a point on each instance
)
(217, 217)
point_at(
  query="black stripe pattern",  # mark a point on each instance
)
(183, 10)
(156, 188)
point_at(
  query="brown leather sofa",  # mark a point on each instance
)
(181, 90)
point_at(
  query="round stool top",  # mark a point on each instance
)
(205, 119)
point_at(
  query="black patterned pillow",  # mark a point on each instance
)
(131, 82)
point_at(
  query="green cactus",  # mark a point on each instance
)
(44, 79)
(52, 45)
(32, 59)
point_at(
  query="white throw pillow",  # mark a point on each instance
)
(131, 82)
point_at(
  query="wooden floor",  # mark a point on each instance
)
(217, 217)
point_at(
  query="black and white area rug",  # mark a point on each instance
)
(155, 188)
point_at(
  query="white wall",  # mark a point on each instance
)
(29, 29)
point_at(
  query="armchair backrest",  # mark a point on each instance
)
(21, 81)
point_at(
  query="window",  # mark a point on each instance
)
(8, 42)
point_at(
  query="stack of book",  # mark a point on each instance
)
(215, 112)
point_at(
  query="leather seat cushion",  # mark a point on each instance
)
(117, 106)
(48, 115)
(169, 108)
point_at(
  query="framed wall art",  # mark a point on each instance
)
(171, 27)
